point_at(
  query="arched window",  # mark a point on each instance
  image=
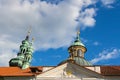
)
(79, 53)
(23, 51)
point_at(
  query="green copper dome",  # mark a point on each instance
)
(81, 61)
(15, 62)
(78, 60)
(78, 42)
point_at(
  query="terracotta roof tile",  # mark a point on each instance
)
(16, 71)
(110, 70)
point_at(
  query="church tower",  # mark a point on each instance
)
(24, 56)
(77, 51)
(28, 55)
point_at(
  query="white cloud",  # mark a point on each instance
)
(7, 48)
(53, 26)
(106, 55)
(108, 3)
(87, 17)
(51, 23)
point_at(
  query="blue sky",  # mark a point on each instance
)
(54, 26)
(104, 36)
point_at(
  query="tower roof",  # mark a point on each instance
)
(81, 61)
(78, 60)
(24, 56)
(78, 42)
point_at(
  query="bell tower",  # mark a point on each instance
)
(24, 55)
(28, 56)
(76, 52)
(77, 49)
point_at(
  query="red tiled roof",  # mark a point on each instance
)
(16, 71)
(32, 71)
(110, 70)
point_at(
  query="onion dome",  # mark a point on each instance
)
(28, 56)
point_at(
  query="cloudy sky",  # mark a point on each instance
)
(54, 25)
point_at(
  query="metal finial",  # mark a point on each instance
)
(33, 39)
(78, 32)
(28, 34)
(29, 31)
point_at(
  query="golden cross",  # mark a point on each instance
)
(78, 32)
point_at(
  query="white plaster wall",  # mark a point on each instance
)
(47, 68)
(96, 69)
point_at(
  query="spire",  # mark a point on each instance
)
(28, 55)
(28, 34)
(32, 40)
(77, 41)
(24, 56)
(78, 35)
